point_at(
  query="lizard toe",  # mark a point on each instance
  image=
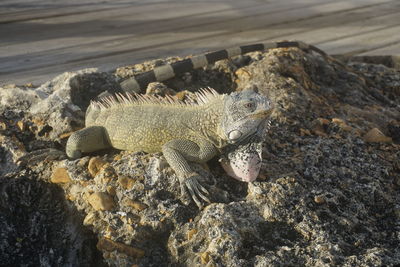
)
(197, 191)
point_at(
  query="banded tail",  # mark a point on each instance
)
(165, 72)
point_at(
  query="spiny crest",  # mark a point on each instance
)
(202, 97)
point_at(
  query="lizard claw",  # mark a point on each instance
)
(196, 190)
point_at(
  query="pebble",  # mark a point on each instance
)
(21, 125)
(376, 136)
(319, 199)
(126, 182)
(105, 244)
(89, 219)
(60, 175)
(101, 201)
(139, 206)
(95, 165)
(205, 257)
(191, 233)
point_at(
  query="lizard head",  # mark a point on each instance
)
(244, 125)
(244, 112)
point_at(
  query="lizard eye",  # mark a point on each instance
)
(249, 105)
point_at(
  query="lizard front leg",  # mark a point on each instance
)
(88, 139)
(178, 153)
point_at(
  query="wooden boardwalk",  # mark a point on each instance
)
(42, 38)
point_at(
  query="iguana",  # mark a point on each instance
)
(168, 71)
(194, 130)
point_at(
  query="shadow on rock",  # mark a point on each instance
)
(38, 227)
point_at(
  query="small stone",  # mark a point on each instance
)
(181, 95)
(30, 85)
(90, 219)
(65, 135)
(126, 182)
(342, 124)
(242, 74)
(105, 244)
(319, 199)
(108, 173)
(95, 165)
(205, 257)
(304, 132)
(101, 201)
(60, 175)
(323, 121)
(3, 125)
(111, 190)
(109, 232)
(83, 161)
(376, 136)
(135, 204)
(21, 125)
(191, 233)
(118, 157)
(38, 121)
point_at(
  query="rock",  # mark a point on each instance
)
(135, 204)
(21, 125)
(101, 201)
(109, 245)
(95, 165)
(126, 182)
(90, 218)
(376, 136)
(324, 196)
(60, 176)
(191, 233)
(319, 199)
(38, 227)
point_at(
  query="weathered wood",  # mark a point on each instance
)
(107, 34)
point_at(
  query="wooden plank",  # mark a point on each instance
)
(363, 42)
(330, 38)
(126, 49)
(384, 50)
(143, 19)
(191, 33)
(14, 13)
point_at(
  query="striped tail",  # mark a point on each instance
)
(165, 72)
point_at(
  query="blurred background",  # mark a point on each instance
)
(42, 38)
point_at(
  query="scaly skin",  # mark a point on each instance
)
(184, 132)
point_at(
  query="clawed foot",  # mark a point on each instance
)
(196, 190)
(41, 155)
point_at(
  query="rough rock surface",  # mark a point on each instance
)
(328, 193)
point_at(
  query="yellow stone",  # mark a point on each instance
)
(376, 136)
(95, 165)
(105, 244)
(126, 182)
(319, 199)
(65, 135)
(21, 125)
(191, 233)
(111, 190)
(139, 206)
(60, 175)
(89, 219)
(204, 257)
(101, 201)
